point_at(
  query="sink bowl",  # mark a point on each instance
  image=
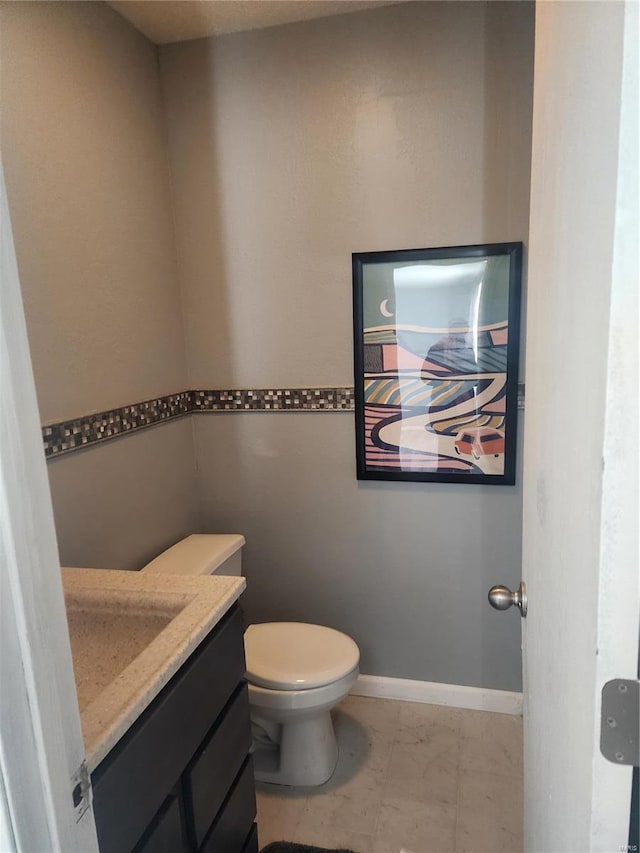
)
(130, 632)
(108, 629)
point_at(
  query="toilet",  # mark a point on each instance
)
(296, 673)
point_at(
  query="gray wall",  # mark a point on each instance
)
(403, 568)
(85, 159)
(119, 504)
(290, 148)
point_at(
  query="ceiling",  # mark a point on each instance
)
(165, 21)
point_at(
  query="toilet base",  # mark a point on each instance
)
(306, 755)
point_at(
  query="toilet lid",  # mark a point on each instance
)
(297, 655)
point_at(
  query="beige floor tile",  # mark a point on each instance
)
(358, 842)
(378, 715)
(407, 827)
(489, 813)
(353, 806)
(361, 745)
(430, 743)
(423, 765)
(402, 769)
(279, 811)
(491, 743)
(417, 722)
(414, 774)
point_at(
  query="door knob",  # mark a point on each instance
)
(501, 598)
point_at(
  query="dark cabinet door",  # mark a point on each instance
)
(167, 833)
(133, 781)
(232, 826)
(216, 765)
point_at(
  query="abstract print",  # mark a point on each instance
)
(434, 356)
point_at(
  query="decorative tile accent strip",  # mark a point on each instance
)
(66, 436)
(71, 435)
(275, 400)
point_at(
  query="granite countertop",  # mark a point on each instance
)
(130, 633)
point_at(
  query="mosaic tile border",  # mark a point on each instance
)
(275, 400)
(66, 436)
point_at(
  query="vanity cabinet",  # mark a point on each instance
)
(181, 779)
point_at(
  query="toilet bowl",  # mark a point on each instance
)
(296, 673)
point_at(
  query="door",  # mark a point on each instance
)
(41, 748)
(580, 541)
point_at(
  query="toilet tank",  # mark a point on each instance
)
(201, 554)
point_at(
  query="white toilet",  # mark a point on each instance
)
(296, 673)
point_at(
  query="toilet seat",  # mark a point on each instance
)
(302, 700)
(297, 655)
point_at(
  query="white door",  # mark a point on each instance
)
(41, 748)
(580, 547)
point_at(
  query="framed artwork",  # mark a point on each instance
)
(436, 335)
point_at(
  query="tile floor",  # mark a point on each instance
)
(411, 778)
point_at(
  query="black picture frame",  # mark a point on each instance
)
(436, 352)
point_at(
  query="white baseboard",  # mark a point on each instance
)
(434, 693)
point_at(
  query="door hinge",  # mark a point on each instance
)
(620, 723)
(81, 791)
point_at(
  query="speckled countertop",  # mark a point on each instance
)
(130, 633)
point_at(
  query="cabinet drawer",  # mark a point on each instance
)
(217, 763)
(166, 834)
(233, 824)
(132, 782)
